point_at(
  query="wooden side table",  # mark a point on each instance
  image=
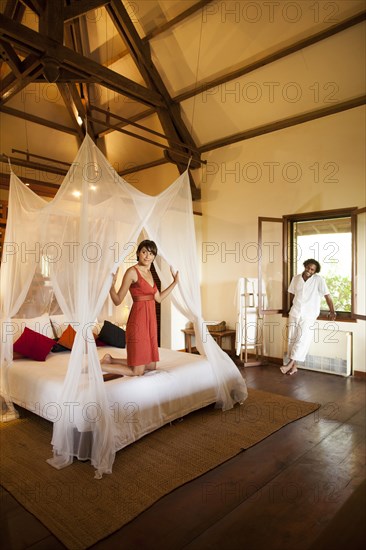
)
(218, 336)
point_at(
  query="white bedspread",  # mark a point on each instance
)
(182, 383)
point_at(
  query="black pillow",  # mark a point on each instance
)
(112, 335)
(58, 347)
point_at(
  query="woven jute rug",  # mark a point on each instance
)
(80, 510)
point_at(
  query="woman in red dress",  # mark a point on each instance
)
(141, 329)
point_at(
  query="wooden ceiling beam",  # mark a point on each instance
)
(139, 167)
(26, 67)
(139, 116)
(33, 165)
(74, 34)
(67, 99)
(76, 98)
(17, 34)
(170, 117)
(51, 20)
(271, 58)
(81, 8)
(84, 89)
(30, 155)
(117, 128)
(37, 120)
(10, 57)
(37, 6)
(177, 19)
(285, 123)
(67, 76)
(42, 189)
(14, 9)
(11, 85)
(168, 25)
(129, 122)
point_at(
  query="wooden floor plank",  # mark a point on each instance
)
(285, 492)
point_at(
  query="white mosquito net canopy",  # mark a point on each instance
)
(65, 252)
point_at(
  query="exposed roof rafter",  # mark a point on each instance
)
(37, 120)
(81, 8)
(169, 116)
(63, 38)
(33, 42)
(274, 56)
(285, 123)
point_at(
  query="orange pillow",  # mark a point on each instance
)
(67, 337)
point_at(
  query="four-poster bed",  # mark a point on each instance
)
(72, 245)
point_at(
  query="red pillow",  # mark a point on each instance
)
(33, 345)
(99, 343)
(67, 337)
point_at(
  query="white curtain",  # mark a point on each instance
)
(19, 262)
(170, 224)
(81, 236)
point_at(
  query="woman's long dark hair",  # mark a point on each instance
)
(149, 245)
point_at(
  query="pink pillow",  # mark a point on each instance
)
(33, 345)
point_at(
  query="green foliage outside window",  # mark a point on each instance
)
(340, 291)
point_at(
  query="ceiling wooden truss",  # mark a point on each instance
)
(56, 53)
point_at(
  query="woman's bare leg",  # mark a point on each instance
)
(116, 365)
(151, 366)
(107, 359)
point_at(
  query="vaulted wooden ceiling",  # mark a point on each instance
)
(151, 80)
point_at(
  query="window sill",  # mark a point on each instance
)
(339, 319)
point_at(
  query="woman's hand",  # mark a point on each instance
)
(114, 280)
(174, 275)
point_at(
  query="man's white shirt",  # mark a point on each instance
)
(308, 295)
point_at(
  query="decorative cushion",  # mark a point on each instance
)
(99, 343)
(17, 355)
(112, 335)
(67, 338)
(58, 322)
(15, 327)
(40, 324)
(58, 347)
(33, 345)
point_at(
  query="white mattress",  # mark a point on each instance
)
(182, 383)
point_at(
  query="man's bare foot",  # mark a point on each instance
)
(106, 359)
(286, 369)
(293, 370)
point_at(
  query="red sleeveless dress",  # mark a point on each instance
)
(141, 329)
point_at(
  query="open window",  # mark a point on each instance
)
(335, 238)
(359, 289)
(270, 266)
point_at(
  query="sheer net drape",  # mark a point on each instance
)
(81, 237)
(19, 262)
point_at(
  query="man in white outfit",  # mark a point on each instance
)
(306, 291)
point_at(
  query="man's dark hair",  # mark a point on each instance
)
(314, 262)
